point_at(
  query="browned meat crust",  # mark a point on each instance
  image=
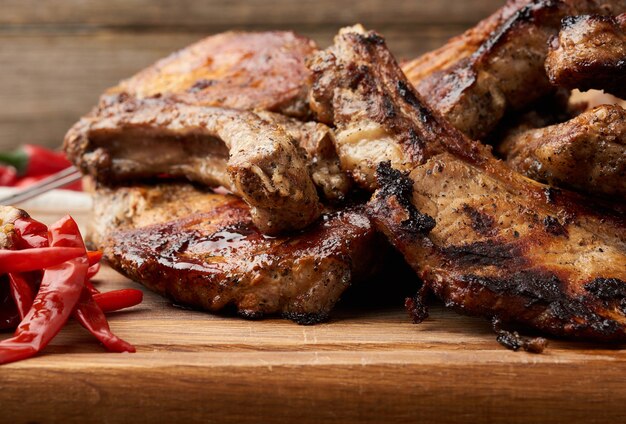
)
(587, 153)
(201, 249)
(506, 72)
(239, 70)
(485, 239)
(370, 127)
(461, 46)
(131, 139)
(318, 141)
(590, 52)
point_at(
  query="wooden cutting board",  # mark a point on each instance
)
(367, 364)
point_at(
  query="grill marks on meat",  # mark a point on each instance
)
(482, 237)
(506, 72)
(530, 268)
(239, 70)
(132, 139)
(587, 153)
(371, 126)
(590, 52)
(461, 46)
(183, 107)
(202, 249)
(191, 115)
(503, 246)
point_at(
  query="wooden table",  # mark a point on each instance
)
(367, 364)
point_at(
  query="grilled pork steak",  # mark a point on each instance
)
(239, 70)
(506, 71)
(131, 139)
(590, 52)
(461, 46)
(202, 249)
(485, 239)
(586, 153)
(165, 120)
(318, 142)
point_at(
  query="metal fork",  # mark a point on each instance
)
(58, 180)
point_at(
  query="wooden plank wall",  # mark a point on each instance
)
(56, 56)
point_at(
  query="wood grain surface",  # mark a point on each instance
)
(369, 364)
(56, 56)
(228, 13)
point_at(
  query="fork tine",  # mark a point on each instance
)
(60, 179)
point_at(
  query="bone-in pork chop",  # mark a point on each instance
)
(485, 239)
(590, 52)
(586, 153)
(239, 70)
(202, 249)
(131, 139)
(506, 71)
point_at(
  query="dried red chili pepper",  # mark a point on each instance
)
(30, 233)
(94, 256)
(60, 290)
(92, 271)
(22, 293)
(118, 299)
(94, 266)
(90, 287)
(37, 258)
(89, 314)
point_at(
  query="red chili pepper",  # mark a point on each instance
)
(30, 233)
(31, 160)
(91, 288)
(22, 293)
(92, 271)
(94, 256)
(94, 263)
(90, 316)
(59, 293)
(8, 175)
(37, 258)
(118, 299)
(60, 290)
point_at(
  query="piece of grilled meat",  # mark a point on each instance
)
(483, 238)
(506, 71)
(318, 142)
(170, 108)
(239, 70)
(133, 139)
(586, 153)
(461, 46)
(590, 52)
(202, 249)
